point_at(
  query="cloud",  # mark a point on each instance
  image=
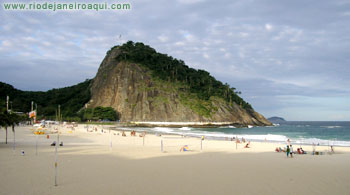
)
(268, 27)
(163, 38)
(269, 50)
(206, 56)
(189, 1)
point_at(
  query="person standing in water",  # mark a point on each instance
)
(288, 151)
(288, 142)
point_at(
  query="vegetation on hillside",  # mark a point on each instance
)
(202, 107)
(99, 114)
(167, 68)
(71, 100)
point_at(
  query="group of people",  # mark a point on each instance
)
(301, 151)
(54, 143)
(238, 141)
(288, 150)
(133, 133)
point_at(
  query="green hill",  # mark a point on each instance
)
(71, 99)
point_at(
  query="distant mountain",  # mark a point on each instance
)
(276, 119)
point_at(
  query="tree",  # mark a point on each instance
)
(99, 113)
(5, 121)
(14, 120)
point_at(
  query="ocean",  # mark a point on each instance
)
(299, 132)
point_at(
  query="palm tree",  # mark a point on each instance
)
(14, 120)
(5, 121)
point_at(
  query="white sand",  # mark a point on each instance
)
(87, 165)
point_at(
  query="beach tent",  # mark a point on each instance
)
(184, 148)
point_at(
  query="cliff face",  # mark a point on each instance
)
(130, 89)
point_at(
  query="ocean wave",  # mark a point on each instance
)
(316, 141)
(185, 128)
(163, 129)
(230, 126)
(196, 132)
(303, 126)
(331, 127)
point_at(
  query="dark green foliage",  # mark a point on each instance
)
(169, 69)
(8, 119)
(4, 119)
(99, 113)
(71, 99)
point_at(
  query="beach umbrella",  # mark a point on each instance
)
(184, 148)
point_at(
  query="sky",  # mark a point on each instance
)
(288, 58)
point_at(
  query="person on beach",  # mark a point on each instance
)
(287, 151)
(291, 151)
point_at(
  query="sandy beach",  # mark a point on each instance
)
(87, 164)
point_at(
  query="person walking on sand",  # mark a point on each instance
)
(291, 151)
(287, 151)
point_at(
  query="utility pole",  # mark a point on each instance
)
(59, 112)
(36, 110)
(32, 120)
(7, 103)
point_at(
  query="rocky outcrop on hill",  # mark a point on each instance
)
(132, 91)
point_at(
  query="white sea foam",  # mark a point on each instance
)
(331, 127)
(230, 126)
(197, 132)
(322, 142)
(268, 137)
(163, 129)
